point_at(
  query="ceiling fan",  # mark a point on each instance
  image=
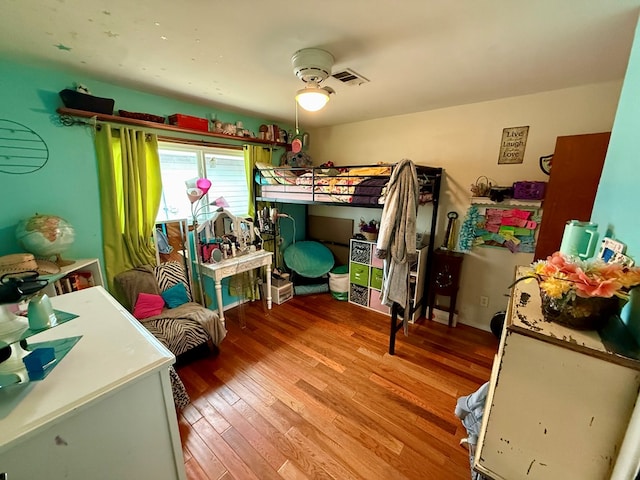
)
(312, 66)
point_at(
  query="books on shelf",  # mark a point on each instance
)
(74, 281)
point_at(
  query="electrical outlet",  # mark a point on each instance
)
(484, 301)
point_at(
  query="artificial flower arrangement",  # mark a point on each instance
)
(369, 229)
(582, 293)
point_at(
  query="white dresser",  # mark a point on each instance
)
(105, 411)
(561, 401)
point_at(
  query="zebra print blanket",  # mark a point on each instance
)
(190, 313)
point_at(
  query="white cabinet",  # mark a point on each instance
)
(560, 399)
(79, 274)
(105, 412)
(365, 278)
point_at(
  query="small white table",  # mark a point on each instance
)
(234, 265)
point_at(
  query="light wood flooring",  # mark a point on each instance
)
(308, 390)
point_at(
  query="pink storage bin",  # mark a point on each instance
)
(374, 302)
(375, 261)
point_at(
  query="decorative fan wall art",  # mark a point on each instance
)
(21, 149)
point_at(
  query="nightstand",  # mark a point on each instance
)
(445, 280)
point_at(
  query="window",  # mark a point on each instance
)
(224, 167)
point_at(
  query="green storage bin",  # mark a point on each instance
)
(359, 274)
(376, 278)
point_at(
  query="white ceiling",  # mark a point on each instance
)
(418, 54)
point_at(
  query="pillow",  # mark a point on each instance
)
(267, 172)
(285, 177)
(169, 274)
(176, 295)
(148, 305)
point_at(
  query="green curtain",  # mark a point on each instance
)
(252, 155)
(130, 192)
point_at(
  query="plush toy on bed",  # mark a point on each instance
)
(296, 160)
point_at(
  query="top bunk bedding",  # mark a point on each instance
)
(354, 185)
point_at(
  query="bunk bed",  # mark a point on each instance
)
(362, 186)
(355, 186)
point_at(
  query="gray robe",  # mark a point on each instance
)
(397, 236)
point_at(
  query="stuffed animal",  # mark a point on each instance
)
(82, 89)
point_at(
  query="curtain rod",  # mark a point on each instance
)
(186, 141)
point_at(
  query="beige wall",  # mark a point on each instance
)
(465, 141)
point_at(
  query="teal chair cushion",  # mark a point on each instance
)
(309, 259)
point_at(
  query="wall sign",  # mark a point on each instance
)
(514, 141)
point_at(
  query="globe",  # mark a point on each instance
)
(46, 236)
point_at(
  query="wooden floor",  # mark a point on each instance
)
(308, 390)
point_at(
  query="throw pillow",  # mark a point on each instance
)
(147, 305)
(176, 295)
(169, 274)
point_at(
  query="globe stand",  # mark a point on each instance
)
(61, 262)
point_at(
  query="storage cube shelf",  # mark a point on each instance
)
(76, 276)
(366, 277)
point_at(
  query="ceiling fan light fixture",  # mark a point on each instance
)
(312, 98)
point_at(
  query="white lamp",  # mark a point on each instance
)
(313, 98)
(312, 66)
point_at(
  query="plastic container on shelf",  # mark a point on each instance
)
(187, 121)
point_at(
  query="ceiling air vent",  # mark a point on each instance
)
(349, 77)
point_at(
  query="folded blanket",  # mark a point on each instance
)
(208, 319)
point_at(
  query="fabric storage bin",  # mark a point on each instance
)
(376, 304)
(360, 252)
(376, 278)
(359, 274)
(358, 294)
(375, 261)
(86, 102)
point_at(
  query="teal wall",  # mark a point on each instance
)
(618, 198)
(68, 184)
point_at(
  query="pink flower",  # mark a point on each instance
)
(605, 288)
(561, 276)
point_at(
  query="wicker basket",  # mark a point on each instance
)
(581, 313)
(371, 236)
(147, 117)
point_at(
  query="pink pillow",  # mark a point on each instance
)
(148, 305)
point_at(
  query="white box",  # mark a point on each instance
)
(281, 294)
